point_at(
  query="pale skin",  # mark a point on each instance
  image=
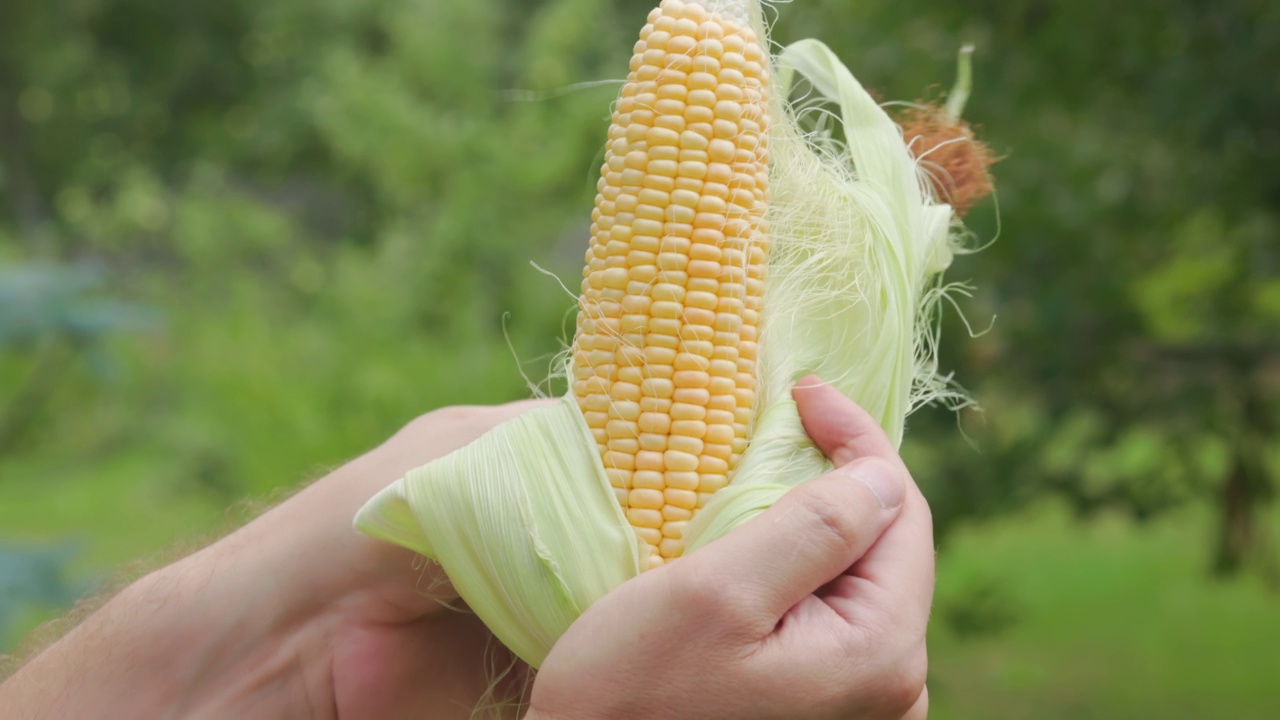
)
(815, 609)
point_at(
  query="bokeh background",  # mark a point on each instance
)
(241, 242)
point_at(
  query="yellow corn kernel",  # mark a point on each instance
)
(664, 354)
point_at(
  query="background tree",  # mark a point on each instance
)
(330, 209)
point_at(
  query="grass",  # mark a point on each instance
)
(1110, 620)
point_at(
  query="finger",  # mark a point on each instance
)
(808, 538)
(841, 429)
(902, 562)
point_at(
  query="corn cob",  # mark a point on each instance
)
(664, 359)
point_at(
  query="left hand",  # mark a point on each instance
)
(399, 647)
(293, 615)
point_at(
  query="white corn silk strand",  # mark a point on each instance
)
(524, 521)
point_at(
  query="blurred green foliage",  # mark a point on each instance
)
(33, 577)
(290, 227)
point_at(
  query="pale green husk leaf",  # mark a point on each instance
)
(523, 521)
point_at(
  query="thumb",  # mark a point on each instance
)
(809, 537)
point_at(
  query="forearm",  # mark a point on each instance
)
(180, 642)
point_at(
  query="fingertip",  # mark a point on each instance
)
(808, 382)
(838, 425)
(884, 480)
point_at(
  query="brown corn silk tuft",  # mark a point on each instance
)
(957, 164)
(664, 357)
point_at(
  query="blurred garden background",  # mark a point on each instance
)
(241, 242)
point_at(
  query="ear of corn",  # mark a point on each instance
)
(730, 254)
(664, 361)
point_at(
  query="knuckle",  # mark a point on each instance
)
(714, 600)
(417, 426)
(914, 675)
(688, 589)
(890, 683)
(899, 684)
(926, 512)
(475, 417)
(828, 512)
(458, 417)
(457, 421)
(445, 415)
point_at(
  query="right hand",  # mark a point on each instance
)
(817, 608)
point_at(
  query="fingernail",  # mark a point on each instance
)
(883, 481)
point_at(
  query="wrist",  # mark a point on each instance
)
(221, 634)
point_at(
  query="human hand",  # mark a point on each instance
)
(293, 615)
(400, 648)
(815, 609)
